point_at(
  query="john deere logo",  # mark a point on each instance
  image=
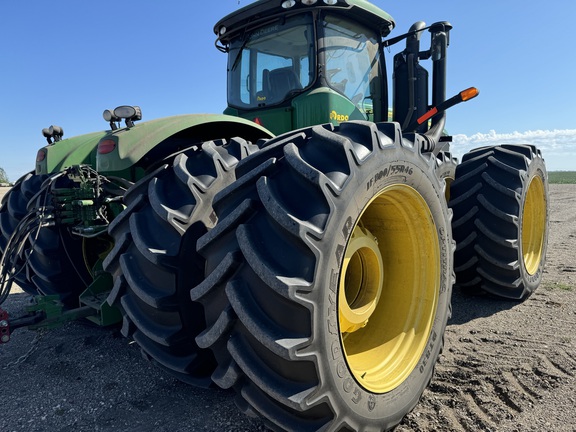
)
(338, 117)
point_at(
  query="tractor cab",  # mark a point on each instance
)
(293, 64)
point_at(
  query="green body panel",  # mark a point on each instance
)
(324, 105)
(319, 106)
(173, 133)
(79, 150)
(277, 120)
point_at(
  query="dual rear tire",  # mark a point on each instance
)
(328, 278)
(154, 261)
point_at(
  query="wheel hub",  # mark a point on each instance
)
(362, 285)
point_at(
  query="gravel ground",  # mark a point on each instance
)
(507, 366)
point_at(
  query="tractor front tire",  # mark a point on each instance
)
(154, 261)
(328, 279)
(501, 208)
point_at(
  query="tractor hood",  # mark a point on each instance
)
(148, 143)
(68, 152)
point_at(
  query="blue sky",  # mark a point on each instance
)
(63, 62)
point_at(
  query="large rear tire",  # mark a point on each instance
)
(155, 247)
(13, 210)
(328, 279)
(500, 204)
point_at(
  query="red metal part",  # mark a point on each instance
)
(4, 327)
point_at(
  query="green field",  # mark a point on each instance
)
(562, 177)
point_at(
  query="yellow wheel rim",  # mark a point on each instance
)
(534, 225)
(389, 288)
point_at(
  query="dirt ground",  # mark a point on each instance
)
(507, 366)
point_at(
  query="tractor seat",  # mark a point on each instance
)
(278, 83)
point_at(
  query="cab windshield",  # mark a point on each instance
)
(269, 64)
(351, 56)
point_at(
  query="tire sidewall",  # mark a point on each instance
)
(536, 168)
(411, 169)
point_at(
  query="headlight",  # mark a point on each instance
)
(127, 112)
(53, 133)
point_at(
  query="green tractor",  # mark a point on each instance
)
(311, 271)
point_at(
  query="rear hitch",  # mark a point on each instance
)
(7, 326)
(46, 312)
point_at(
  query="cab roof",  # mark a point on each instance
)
(263, 10)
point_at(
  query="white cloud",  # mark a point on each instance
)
(557, 146)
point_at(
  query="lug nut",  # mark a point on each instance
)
(3, 323)
(5, 339)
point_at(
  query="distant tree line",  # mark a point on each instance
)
(3, 176)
